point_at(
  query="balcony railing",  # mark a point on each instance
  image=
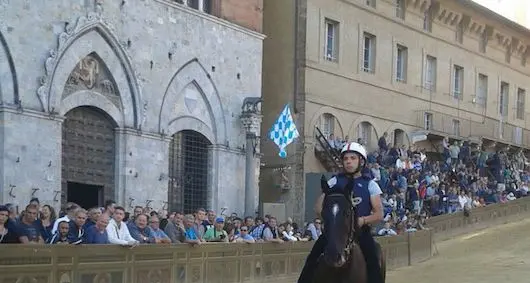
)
(443, 124)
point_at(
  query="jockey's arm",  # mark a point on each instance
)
(377, 211)
(377, 206)
(318, 205)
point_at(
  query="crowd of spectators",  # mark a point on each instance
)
(113, 225)
(415, 187)
(461, 177)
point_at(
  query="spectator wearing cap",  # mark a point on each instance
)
(7, 236)
(217, 233)
(70, 211)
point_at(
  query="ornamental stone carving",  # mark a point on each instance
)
(92, 74)
(88, 72)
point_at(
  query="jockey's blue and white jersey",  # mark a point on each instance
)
(363, 188)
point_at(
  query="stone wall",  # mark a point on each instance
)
(172, 67)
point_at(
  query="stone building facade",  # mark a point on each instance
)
(419, 70)
(137, 101)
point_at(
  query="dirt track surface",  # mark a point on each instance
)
(498, 254)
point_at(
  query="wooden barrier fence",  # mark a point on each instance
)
(220, 263)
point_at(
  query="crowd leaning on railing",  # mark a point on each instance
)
(414, 187)
(111, 224)
(460, 178)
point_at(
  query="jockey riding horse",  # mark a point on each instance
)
(368, 211)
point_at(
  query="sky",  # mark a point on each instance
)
(515, 10)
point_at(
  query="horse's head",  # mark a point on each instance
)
(338, 213)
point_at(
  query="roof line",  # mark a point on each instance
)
(491, 14)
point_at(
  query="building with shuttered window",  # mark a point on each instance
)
(419, 70)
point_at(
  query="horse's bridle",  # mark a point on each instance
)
(353, 202)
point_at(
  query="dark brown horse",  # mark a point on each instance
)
(342, 260)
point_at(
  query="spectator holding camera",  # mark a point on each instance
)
(216, 233)
(387, 230)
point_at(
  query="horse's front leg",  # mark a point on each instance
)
(358, 271)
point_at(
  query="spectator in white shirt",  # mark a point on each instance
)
(462, 200)
(386, 230)
(423, 157)
(70, 211)
(400, 163)
(117, 230)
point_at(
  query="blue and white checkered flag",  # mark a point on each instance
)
(284, 131)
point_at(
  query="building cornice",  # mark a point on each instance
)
(15, 109)
(494, 35)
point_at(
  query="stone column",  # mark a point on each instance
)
(250, 190)
(251, 120)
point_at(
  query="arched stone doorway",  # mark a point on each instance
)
(399, 138)
(88, 157)
(189, 164)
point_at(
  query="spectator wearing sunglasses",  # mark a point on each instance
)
(314, 229)
(243, 236)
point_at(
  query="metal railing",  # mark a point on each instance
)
(328, 156)
(444, 124)
(232, 263)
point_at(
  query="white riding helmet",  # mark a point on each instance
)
(354, 147)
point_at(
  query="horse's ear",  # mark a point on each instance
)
(324, 184)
